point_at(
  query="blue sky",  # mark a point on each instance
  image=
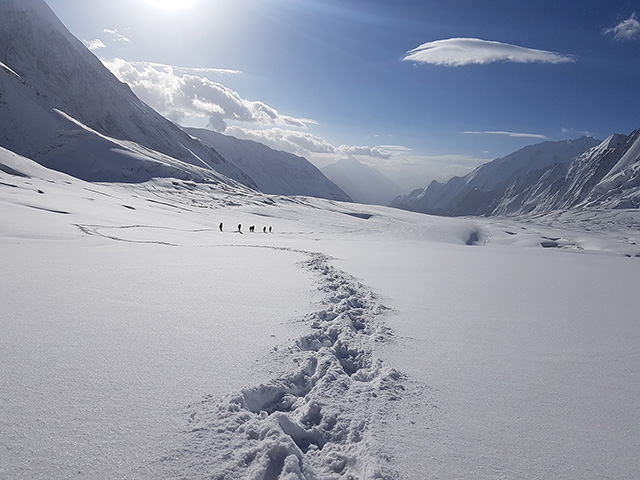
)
(331, 78)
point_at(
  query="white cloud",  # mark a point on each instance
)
(574, 133)
(305, 144)
(117, 36)
(94, 44)
(179, 96)
(373, 152)
(455, 52)
(415, 170)
(411, 169)
(193, 70)
(396, 149)
(628, 29)
(510, 134)
(402, 164)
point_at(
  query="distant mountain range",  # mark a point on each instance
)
(540, 178)
(363, 183)
(274, 171)
(62, 108)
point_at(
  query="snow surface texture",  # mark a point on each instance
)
(310, 422)
(139, 341)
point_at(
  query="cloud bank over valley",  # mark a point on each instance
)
(188, 97)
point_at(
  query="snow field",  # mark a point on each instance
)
(103, 344)
(138, 343)
(528, 354)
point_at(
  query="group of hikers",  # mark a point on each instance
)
(252, 228)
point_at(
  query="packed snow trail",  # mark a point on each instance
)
(311, 421)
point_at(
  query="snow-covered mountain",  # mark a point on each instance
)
(523, 181)
(63, 108)
(607, 176)
(363, 183)
(274, 171)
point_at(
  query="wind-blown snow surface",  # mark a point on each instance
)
(139, 341)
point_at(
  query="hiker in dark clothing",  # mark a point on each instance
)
(220, 226)
(240, 227)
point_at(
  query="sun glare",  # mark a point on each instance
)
(171, 4)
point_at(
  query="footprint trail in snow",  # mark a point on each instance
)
(313, 421)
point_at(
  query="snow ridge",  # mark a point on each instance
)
(310, 422)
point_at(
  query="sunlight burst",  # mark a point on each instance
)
(171, 4)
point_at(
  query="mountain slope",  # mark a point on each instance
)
(498, 186)
(275, 172)
(52, 88)
(606, 176)
(620, 186)
(363, 183)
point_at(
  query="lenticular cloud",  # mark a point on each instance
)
(456, 52)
